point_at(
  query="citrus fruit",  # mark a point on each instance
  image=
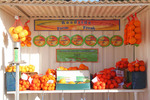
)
(62, 81)
(21, 34)
(18, 29)
(23, 39)
(71, 82)
(11, 30)
(15, 36)
(25, 32)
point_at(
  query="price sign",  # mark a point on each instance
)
(52, 41)
(103, 41)
(116, 41)
(77, 55)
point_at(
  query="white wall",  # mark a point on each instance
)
(143, 51)
(5, 48)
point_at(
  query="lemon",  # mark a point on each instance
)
(21, 34)
(71, 82)
(11, 30)
(18, 29)
(25, 32)
(23, 39)
(15, 36)
(62, 81)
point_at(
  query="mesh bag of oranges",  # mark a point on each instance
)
(27, 42)
(132, 31)
(24, 82)
(35, 82)
(48, 82)
(136, 66)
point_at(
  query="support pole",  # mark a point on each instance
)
(17, 59)
(17, 82)
(135, 96)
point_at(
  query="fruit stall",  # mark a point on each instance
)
(74, 50)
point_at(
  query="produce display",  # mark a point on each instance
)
(29, 68)
(132, 32)
(106, 79)
(35, 83)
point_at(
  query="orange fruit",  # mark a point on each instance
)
(20, 88)
(136, 65)
(28, 44)
(18, 29)
(141, 63)
(29, 33)
(22, 44)
(142, 68)
(138, 36)
(29, 38)
(26, 27)
(136, 69)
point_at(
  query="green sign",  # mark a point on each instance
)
(77, 55)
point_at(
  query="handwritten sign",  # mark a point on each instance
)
(78, 25)
(76, 55)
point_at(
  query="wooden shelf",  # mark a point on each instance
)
(81, 91)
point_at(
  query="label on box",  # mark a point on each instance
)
(119, 73)
(94, 80)
(73, 75)
(24, 76)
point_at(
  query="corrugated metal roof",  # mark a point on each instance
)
(71, 9)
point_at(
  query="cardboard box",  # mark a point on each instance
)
(75, 76)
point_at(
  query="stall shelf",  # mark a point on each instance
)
(51, 9)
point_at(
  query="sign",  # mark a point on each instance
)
(116, 41)
(52, 41)
(90, 40)
(77, 40)
(103, 41)
(77, 55)
(64, 40)
(39, 41)
(76, 25)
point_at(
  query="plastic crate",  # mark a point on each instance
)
(138, 79)
(10, 81)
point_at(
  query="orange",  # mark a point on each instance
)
(132, 40)
(44, 88)
(136, 69)
(49, 88)
(20, 89)
(26, 27)
(22, 44)
(138, 36)
(136, 65)
(142, 68)
(137, 29)
(18, 29)
(141, 63)
(24, 83)
(29, 33)
(29, 38)
(34, 81)
(28, 44)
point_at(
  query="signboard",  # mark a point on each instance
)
(90, 40)
(77, 40)
(116, 41)
(77, 55)
(52, 41)
(39, 41)
(76, 25)
(104, 41)
(64, 40)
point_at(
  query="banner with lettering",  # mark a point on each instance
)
(77, 25)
